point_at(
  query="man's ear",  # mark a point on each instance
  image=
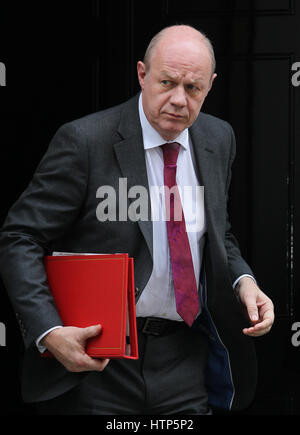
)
(212, 81)
(141, 71)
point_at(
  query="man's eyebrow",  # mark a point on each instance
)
(175, 76)
(169, 75)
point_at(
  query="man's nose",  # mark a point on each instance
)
(178, 96)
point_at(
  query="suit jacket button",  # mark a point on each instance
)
(136, 291)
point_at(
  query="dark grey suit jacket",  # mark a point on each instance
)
(58, 212)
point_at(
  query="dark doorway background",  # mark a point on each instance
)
(67, 59)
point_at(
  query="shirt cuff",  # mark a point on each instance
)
(240, 277)
(40, 347)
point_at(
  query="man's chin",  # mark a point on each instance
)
(171, 130)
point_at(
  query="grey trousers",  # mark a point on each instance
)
(168, 378)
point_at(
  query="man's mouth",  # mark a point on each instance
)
(175, 116)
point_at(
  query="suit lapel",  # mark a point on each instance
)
(205, 162)
(131, 158)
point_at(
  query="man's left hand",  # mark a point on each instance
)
(259, 307)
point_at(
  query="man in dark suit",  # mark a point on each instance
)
(187, 361)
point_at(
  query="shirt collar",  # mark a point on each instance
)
(152, 138)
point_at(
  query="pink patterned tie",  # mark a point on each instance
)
(186, 294)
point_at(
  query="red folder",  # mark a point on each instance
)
(97, 289)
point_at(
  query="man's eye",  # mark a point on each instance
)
(166, 82)
(192, 88)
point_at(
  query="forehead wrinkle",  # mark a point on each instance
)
(171, 75)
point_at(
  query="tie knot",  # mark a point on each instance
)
(170, 151)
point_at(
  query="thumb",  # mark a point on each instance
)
(252, 309)
(90, 331)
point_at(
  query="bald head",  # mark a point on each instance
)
(180, 34)
(175, 77)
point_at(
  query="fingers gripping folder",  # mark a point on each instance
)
(93, 289)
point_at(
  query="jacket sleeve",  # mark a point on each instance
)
(237, 265)
(43, 213)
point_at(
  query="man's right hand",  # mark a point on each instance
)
(67, 345)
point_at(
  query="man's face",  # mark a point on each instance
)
(175, 85)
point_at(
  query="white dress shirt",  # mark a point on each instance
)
(158, 298)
